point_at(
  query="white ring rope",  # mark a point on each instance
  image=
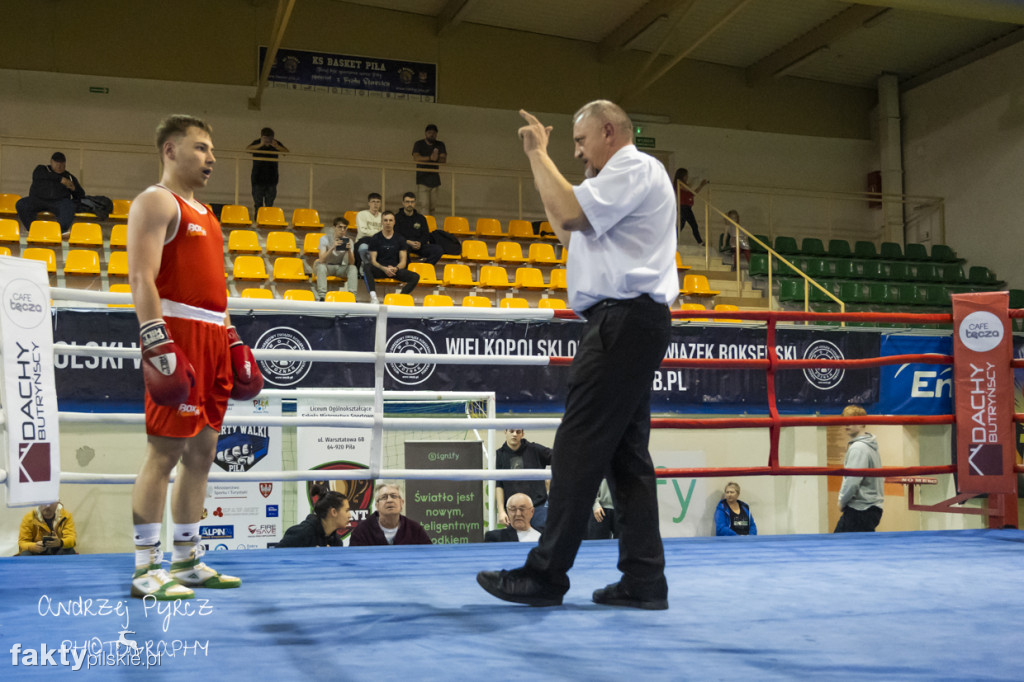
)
(391, 423)
(366, 309)
(322, 475)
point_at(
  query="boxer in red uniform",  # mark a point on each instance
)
(192, 358)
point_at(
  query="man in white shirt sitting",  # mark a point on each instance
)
(520, 510)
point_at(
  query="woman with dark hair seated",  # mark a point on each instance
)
(732, 516)
(319, 529)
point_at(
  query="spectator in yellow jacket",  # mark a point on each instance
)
(48, 529)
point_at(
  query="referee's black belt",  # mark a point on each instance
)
(642, 299)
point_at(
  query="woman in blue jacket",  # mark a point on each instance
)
(733, 516)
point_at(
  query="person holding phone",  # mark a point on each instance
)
(336, 258)
(48, 529)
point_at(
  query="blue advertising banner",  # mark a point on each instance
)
(915, 388)
(352, 75)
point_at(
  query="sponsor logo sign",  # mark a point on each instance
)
(410, 342)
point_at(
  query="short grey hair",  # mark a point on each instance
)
(606, 111)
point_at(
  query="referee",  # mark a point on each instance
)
(622, 277)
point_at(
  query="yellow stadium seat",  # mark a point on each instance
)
(7, 202)
(558, 281)
(457, 275)
(431, 222)
(252, 292)
(399, 299)
(10, 231)
(270, 216)
(564, 256)
(340, 297)
(494, 277)
(299, 295)
(281, 243)
(513, 302)
(529, 278)
(679, 262)
(45, 255)
(488, 227)
(542, 253)
(697, 285)
(83, 262)
(249, 268)
(311, 244)
(694, 306)
(727, 307)
(44, 232)
(86, 234)
(289, 270)
(437, 300)
(520, 229)
(233, 215)
(350, 216)
(244, 241)
(121, 207)
(119, 236)
(552, 303)
(456, 225)
(476, 302)
(4, 251)
(306, 219)
(474, 249)
(120, 289)
(546, 232)
(428, 276)
(510, 252)
(117, 264)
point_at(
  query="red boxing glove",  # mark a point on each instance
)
(168, 373)
(248, 378)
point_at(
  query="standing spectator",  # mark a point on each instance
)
(428, 153)
(336, 259)
(519, 513)
(413, 228)
(368, 223)
(320, 529)
(685, 199)
(732, 515)
(53, 189)
(48, 529)
(519, 453)
(388, 257)
(742, 248)
(266, 149)
(603, 524)
(626, 199)
(387, 525)
(860, 497)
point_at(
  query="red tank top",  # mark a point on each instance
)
(192, 267)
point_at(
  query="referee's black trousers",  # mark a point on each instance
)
(605, 432)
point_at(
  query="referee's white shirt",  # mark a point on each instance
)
(630, 247)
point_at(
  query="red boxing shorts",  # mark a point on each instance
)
(206, 346)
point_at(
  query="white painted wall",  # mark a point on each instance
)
(963, 137)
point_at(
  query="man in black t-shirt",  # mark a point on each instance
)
(388, 256)
(264, 169)
(428, 153)
(412, 227)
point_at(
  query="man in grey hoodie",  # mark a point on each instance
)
(860, 498)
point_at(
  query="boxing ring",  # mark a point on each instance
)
(918, 605)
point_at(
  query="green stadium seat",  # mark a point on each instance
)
(839, 248)
(759, 265)
(786, 246)
(865, 250)
(933, 295)
(952, 273)
(791, 289)
(811, 246)
(891, 251)
(943, 254)
(979, 274)
(757, 248)
(902, 272)
(916, 252)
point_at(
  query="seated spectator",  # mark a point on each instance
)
(603, 524)
(368, 223)
(732, 516)
(48, 529)
(413, 228)
(320, 529)
(387, 257)
(519, 512)
(519, 453)
(744, 245)
(387, 525)
(337, 259)
(53, 189)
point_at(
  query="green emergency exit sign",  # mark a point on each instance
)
(645, 142)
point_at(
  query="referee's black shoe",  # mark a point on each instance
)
(616, 595)
(520, 587)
